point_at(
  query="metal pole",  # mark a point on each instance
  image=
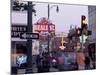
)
(48, 11)
(29, 41)
(82, 40)
(48, 25)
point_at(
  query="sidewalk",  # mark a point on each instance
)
(53, 70)
(22, 71)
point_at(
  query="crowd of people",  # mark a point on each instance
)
(83, 61)
(42, 62)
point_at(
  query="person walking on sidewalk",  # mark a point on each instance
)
(80, 57)
(39, 64)
(46, 63)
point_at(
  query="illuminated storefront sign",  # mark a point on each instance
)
(42, 25)
(44, 28)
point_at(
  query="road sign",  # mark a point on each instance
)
(29, 36)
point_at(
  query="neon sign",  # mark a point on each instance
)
(44, 28)
(42, 25)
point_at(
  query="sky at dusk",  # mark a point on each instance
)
(68, 15)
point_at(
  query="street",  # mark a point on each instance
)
(48, 37)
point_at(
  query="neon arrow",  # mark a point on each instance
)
(62, 43)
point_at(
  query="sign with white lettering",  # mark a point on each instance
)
(16, 30)
(29, 36)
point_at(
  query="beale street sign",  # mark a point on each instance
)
(44, 28)
(45, 25)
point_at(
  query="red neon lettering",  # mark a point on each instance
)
(52, 28)
(44, 27)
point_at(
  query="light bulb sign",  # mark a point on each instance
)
(43, 24)
(62, 47)
(44, 28)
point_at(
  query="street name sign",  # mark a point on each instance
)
(29, 36)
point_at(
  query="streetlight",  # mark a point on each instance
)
(29, 41)
(57, 10)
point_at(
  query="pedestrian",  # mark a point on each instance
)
(46, 63)
(61, 62)
(87, 62)
(92, 54)
(80, 57)
(39, 64)
(66, 60)
(54, 62)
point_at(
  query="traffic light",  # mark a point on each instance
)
(83, 22)
(78, 31)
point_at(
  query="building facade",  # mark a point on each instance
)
(92, 23)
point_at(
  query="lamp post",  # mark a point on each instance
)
(20, 6)
(57, 9)
(29, 41)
